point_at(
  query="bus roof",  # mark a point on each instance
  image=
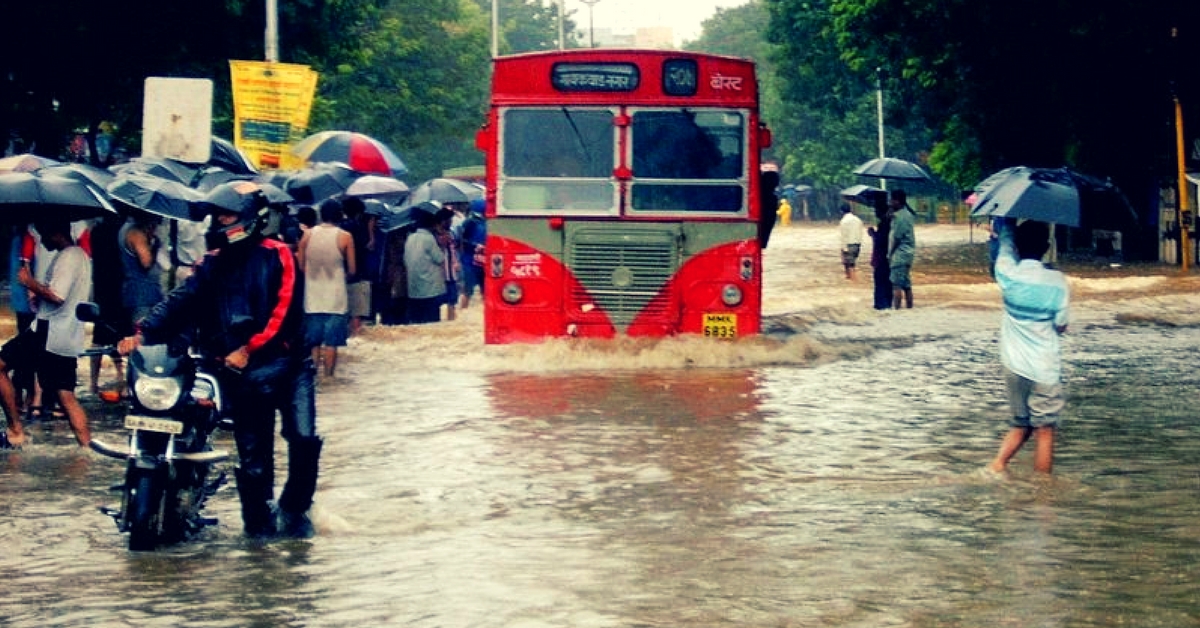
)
(635, 77)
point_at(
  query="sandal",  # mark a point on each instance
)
(6, 445)
(35, 413)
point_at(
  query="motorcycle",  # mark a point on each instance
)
(174, 408)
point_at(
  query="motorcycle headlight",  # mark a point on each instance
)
(157, 393)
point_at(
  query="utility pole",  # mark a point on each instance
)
(591, 23)
(562, 18)
(271, 46)
(495, 28)
(879, 117)
(1182, 206)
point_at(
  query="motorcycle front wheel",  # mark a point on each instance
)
(143, 510)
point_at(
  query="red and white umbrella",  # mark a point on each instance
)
(363, 153)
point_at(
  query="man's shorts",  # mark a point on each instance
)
(27, 352)
(850, 254)
(359, 296)
(328, 330)
(451, 295)
(901, 276)
(1033, 404)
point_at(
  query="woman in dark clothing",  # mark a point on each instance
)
(879, 253)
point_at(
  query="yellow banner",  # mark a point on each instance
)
(271, 104)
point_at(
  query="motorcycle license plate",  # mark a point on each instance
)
(151, 424)
(720, 326)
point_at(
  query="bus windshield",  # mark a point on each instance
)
(562, 160)
(559, 159)
(688, 160)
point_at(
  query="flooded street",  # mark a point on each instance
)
(825, 474)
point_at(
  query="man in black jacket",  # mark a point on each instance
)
(244, 306)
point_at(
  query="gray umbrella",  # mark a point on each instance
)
(160, 167)
(378, 187)
(28, 196)
(320, 181)
(159, 196)
(1054, 195)
(892, 168)
(444, 191)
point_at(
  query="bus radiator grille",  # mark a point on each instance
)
(622, 272)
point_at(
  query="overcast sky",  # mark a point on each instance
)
(683, 16)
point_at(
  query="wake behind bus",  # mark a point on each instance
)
(624, 196)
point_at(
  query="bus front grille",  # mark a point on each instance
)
(622, 269)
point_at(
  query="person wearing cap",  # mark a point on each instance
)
(243, 305)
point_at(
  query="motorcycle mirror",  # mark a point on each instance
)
(87, 312)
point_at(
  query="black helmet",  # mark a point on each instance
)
(246, 200)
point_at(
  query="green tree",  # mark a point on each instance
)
(417, 80)
(85, 61)
(1005, 82)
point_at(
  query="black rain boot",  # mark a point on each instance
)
(258, 515)
(304, 456)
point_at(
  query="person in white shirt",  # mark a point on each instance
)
(850, 229)
(53, 344)
(1036, 301)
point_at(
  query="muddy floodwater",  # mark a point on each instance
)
(827, 473)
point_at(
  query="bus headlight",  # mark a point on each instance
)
(731, 295)
(511, 293)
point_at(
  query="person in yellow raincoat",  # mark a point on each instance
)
(785, 212)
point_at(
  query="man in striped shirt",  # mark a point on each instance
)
(1036, 299)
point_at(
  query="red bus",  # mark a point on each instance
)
(624, 196)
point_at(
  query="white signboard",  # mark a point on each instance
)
(177, 119)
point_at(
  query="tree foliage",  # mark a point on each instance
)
(412, 73)
(85, 61)
(999, 82)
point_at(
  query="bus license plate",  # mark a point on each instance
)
(151, 424)
(720, 326)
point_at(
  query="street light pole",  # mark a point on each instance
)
(879, 107)
(495, 28)
(591, 23)
(271, 45)
(879, 117)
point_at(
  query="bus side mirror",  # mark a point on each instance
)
(482, 138)
(764, 136)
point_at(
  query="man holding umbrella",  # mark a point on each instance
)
(1036, 299)
(244, 306)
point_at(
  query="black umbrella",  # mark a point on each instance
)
(398, 219)
(376, 207)
(892, 168)
(28, 196)
(25, 162)
(226, 155)
(863, 194)
(444, 191)
(234, 196)
(319, 182)
(159, 196)
(159, 167)
(212, 176)
(99, 177)
(1054, 195)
